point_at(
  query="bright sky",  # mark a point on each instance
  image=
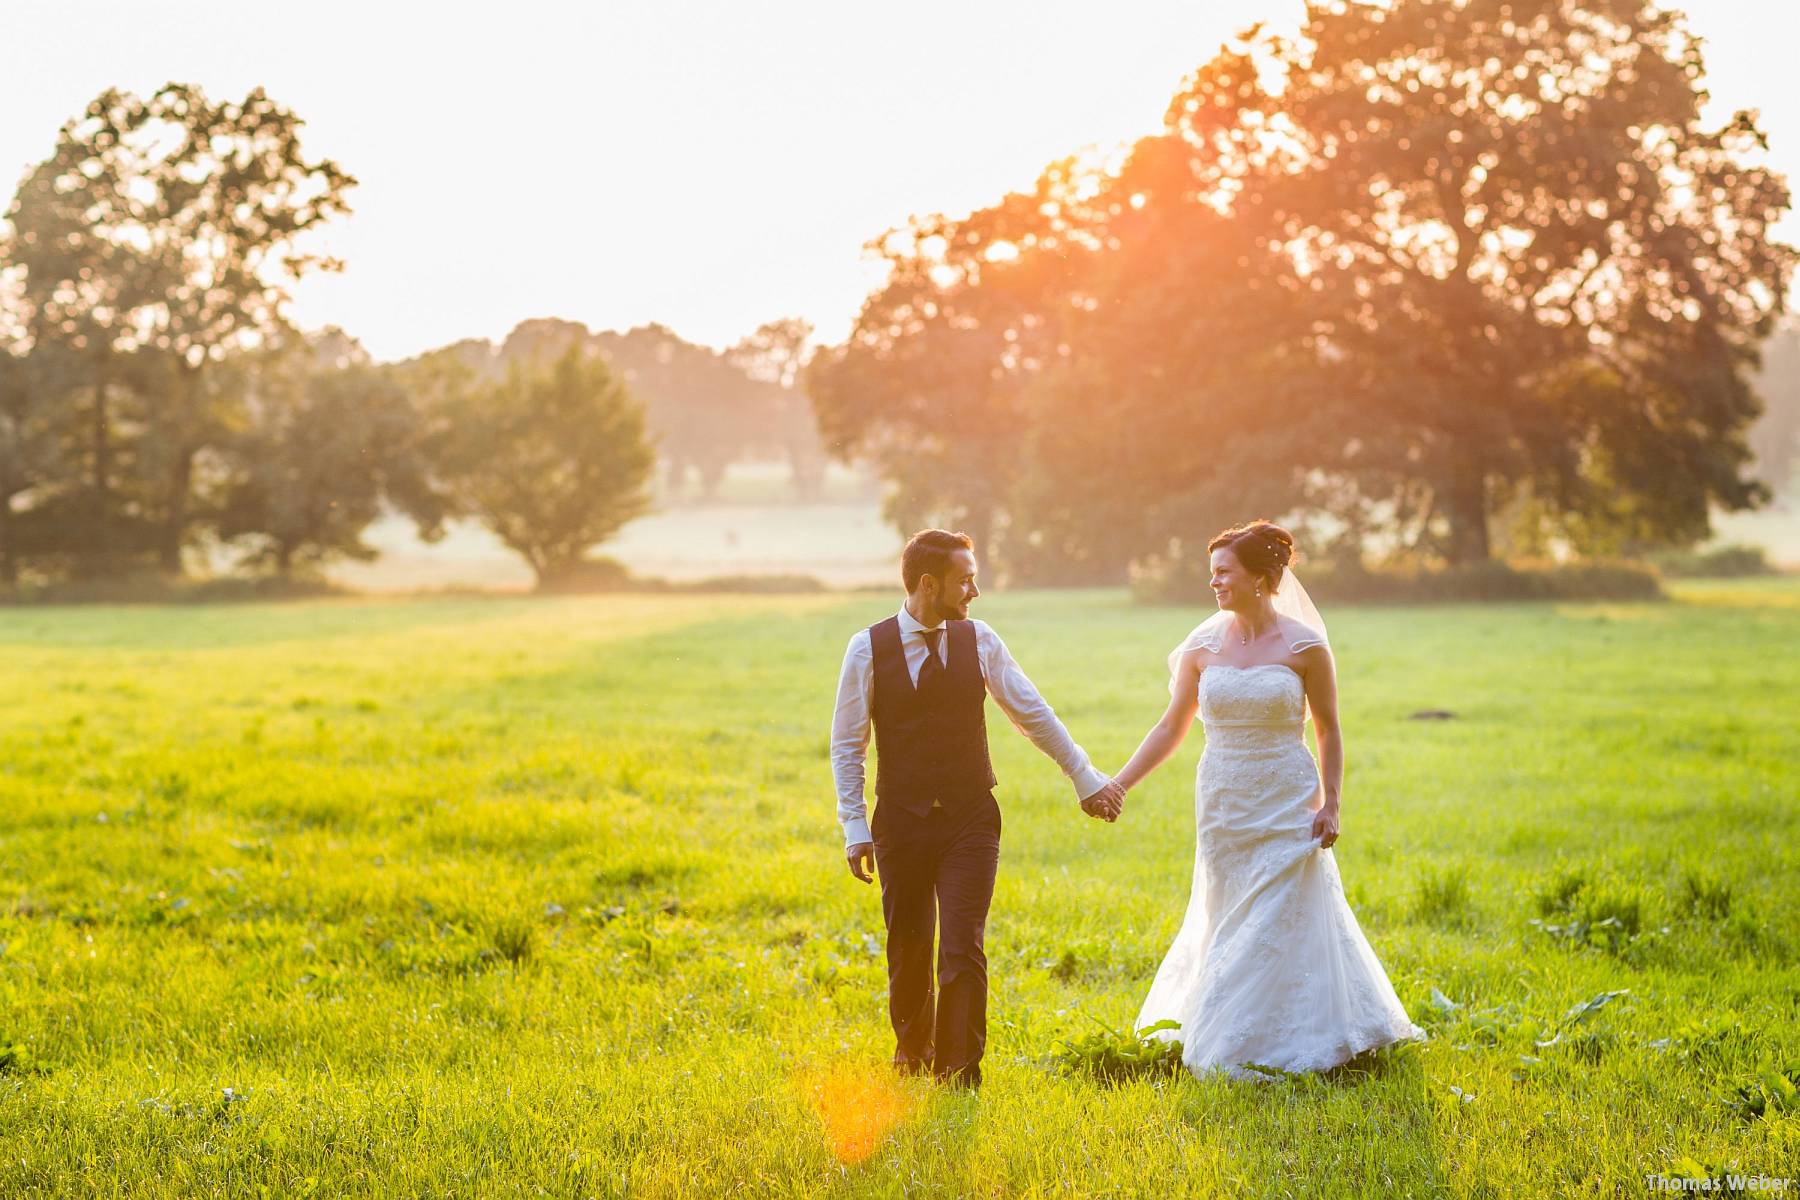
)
(710, 164)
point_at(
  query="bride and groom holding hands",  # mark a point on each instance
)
(1269, 967)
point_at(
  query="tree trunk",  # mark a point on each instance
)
(174, 530)
(712, 473)
(101, 436)
(9, 559)
(1463, 501)
(979, 525)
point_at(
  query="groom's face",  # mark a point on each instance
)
(956, 589)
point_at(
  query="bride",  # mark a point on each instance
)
(1269, 968)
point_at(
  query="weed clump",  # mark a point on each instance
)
(1602, 913)
(1442, 897)
(1705, 896)
(515, 939)
(1115, 1057)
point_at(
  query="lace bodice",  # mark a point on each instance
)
(1251, 706)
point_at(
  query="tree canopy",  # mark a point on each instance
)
(157, 241)
(1448, 277)
(553, 458)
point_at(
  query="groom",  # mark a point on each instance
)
(922, 677)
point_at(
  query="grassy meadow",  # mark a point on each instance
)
(472, 896)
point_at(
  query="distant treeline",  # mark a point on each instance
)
(1775, 438)
(155, 400)
(1437, 282)
(706, 409)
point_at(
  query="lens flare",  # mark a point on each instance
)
(858, 1107)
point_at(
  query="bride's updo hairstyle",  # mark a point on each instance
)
(1263, 547)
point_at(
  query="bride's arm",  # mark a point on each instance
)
(1167, 733)
(1321, 697)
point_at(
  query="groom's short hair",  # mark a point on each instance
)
(928, 553)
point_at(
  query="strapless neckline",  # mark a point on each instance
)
(1251, 667)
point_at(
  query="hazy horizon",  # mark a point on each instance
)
(705, 166)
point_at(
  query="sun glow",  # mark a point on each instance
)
(857, 1108)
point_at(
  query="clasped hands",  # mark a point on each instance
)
(1104, 805)
(1107, 803)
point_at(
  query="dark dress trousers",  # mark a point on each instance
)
(937, 846)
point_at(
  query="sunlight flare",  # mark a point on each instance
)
(858, 1108)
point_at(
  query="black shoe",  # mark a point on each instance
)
(963, 1079)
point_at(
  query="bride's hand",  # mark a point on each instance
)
(1325, 826)
(1106, 803)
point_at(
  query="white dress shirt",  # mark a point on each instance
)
(1006, 683)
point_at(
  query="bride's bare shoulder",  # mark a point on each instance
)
(1195, 658)
(1300, 636)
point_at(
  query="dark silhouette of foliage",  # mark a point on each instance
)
(1445, 274)
(155, 243)
(329, 440)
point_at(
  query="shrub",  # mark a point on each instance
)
(609, 575)
(1719, 562)
(154, 588)
(1114, 1057)
(1179, 581)
(768, 585)
(588, 575)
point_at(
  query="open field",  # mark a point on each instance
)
(752, 527)
(493, 897)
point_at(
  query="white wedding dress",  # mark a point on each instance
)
(1270, 967)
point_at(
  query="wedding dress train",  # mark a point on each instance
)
(1270, 967)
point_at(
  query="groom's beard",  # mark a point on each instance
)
(947, 612)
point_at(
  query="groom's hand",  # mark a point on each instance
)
(861, 858)
(1107, 803)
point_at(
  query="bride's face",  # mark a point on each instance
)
(1232, 585)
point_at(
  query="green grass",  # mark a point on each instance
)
(492, 897)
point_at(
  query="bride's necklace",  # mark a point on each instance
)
(1243, 632)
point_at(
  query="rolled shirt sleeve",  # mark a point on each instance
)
(1018, 697)
(850, 738)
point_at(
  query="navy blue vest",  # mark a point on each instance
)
(930, 744)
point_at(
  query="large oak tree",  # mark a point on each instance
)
(1423, 264)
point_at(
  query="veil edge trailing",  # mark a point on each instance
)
(1303, 628)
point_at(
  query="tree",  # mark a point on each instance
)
(776, 355)
(554, 458)
(1776, 437)
(705, 412)
(84, 283)
(1425, 264)
(933, 385)
(30, 462)
(163, 232)
(704, 409)
(1526, 255)
(1167, 412)
(329, 440)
